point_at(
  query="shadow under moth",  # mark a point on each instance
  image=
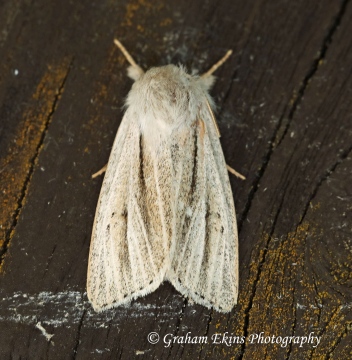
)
(165, 210)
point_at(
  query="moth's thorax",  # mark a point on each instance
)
(166, 97)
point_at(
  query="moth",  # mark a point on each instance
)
(165, 210)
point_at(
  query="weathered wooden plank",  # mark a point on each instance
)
(299, 254)
(284, 113)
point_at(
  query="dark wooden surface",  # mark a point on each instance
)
(285, 114)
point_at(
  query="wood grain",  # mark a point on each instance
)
(285, 115)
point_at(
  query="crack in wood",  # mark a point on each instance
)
(315, 66)
(294, 317)
(206, 332)
(255, 184)
(324, 177)
(326, 42)
(78, 335)
(334, 313)
(256, 280)
(178, 323)
(316, 291)
(23, 193)
(337, 343)
(343, 156)
(49, 260)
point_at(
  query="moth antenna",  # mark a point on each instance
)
(125, 52)
(134, 71)
(218, 64)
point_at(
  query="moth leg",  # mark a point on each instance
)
(234, 172)
(202, 125)
(101, 171)
(217, 65)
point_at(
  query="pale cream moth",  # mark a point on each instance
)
(165, 210)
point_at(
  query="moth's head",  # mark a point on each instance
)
(168, 95)
(170, 74)
(168, 87)
(205, 81)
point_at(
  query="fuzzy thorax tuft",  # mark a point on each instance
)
(165, 98)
